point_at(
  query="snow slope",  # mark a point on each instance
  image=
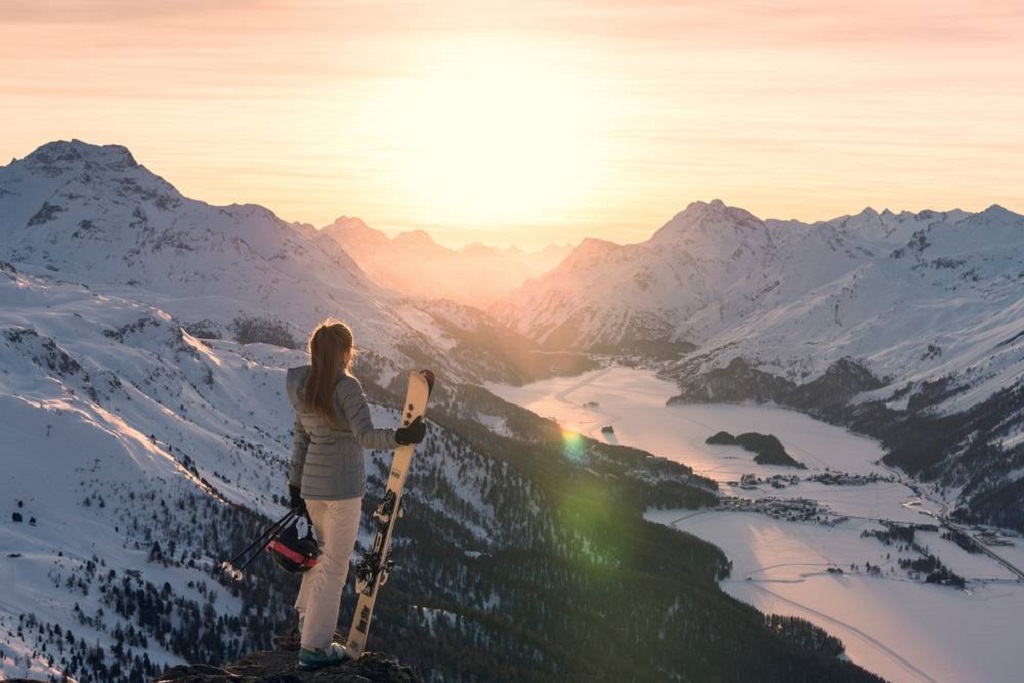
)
(133, 458)
(85, 213)
(136, 456)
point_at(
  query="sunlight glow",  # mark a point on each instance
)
(531, 123)
(494, 134)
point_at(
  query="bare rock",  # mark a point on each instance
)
(281, 666)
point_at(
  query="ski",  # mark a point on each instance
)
(372, 571)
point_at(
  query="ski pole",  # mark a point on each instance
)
(235, 573)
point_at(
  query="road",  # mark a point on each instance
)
(942, 516)
(969, 532)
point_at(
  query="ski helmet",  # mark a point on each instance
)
(294, 553)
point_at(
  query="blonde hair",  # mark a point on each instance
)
(326, 345)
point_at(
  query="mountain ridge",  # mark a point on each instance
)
(702, 295)
(411, 262)
(92, 214)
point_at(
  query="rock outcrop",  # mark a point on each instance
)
(279, 666)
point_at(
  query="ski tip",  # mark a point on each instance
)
(429, 376)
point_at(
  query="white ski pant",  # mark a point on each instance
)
(335, 523)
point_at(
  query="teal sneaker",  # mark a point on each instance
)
(318, 659)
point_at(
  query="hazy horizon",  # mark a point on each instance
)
(533, 123)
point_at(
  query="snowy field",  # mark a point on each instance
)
(890, 620)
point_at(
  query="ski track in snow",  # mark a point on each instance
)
(874, 643)
(588, 379)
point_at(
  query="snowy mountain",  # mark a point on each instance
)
(882, 287)
(412, 262)
(912, 297)
(908, 318)
(93, 214)
(606, 296)
(142, 443)
(90, 214)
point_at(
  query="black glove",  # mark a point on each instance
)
(414, 433)
(296, 503)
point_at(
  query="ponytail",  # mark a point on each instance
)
(326, 346)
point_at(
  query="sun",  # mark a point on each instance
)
(496, 134)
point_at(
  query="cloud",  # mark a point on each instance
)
(794, 23)
(102, 11)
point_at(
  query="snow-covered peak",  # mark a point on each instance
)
(706, 219)
(348, 231)
(80, 170)
(716, 233)
(43, 189)
(997, 217)
(75, 155)
(414, 239)
(590, 253)
(999, 212)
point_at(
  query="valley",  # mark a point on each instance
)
(839, 567)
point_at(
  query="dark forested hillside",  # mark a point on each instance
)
(581, 588)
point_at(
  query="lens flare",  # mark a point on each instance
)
(573, 447)
(590, 503)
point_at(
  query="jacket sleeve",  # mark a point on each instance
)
(300, 442)
(351, 402)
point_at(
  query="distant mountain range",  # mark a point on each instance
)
(913, 296)
(412, 262)
(93, 214)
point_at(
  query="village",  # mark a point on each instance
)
(828, 477)
(835, 478)
(779, 481)
(788, 509)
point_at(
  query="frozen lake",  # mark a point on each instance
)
(891, 622)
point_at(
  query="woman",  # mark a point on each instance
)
(332, 427)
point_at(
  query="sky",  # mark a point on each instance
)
(536, 121)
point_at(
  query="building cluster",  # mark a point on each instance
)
(788, 509)
(831, 478)
(778, 481)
